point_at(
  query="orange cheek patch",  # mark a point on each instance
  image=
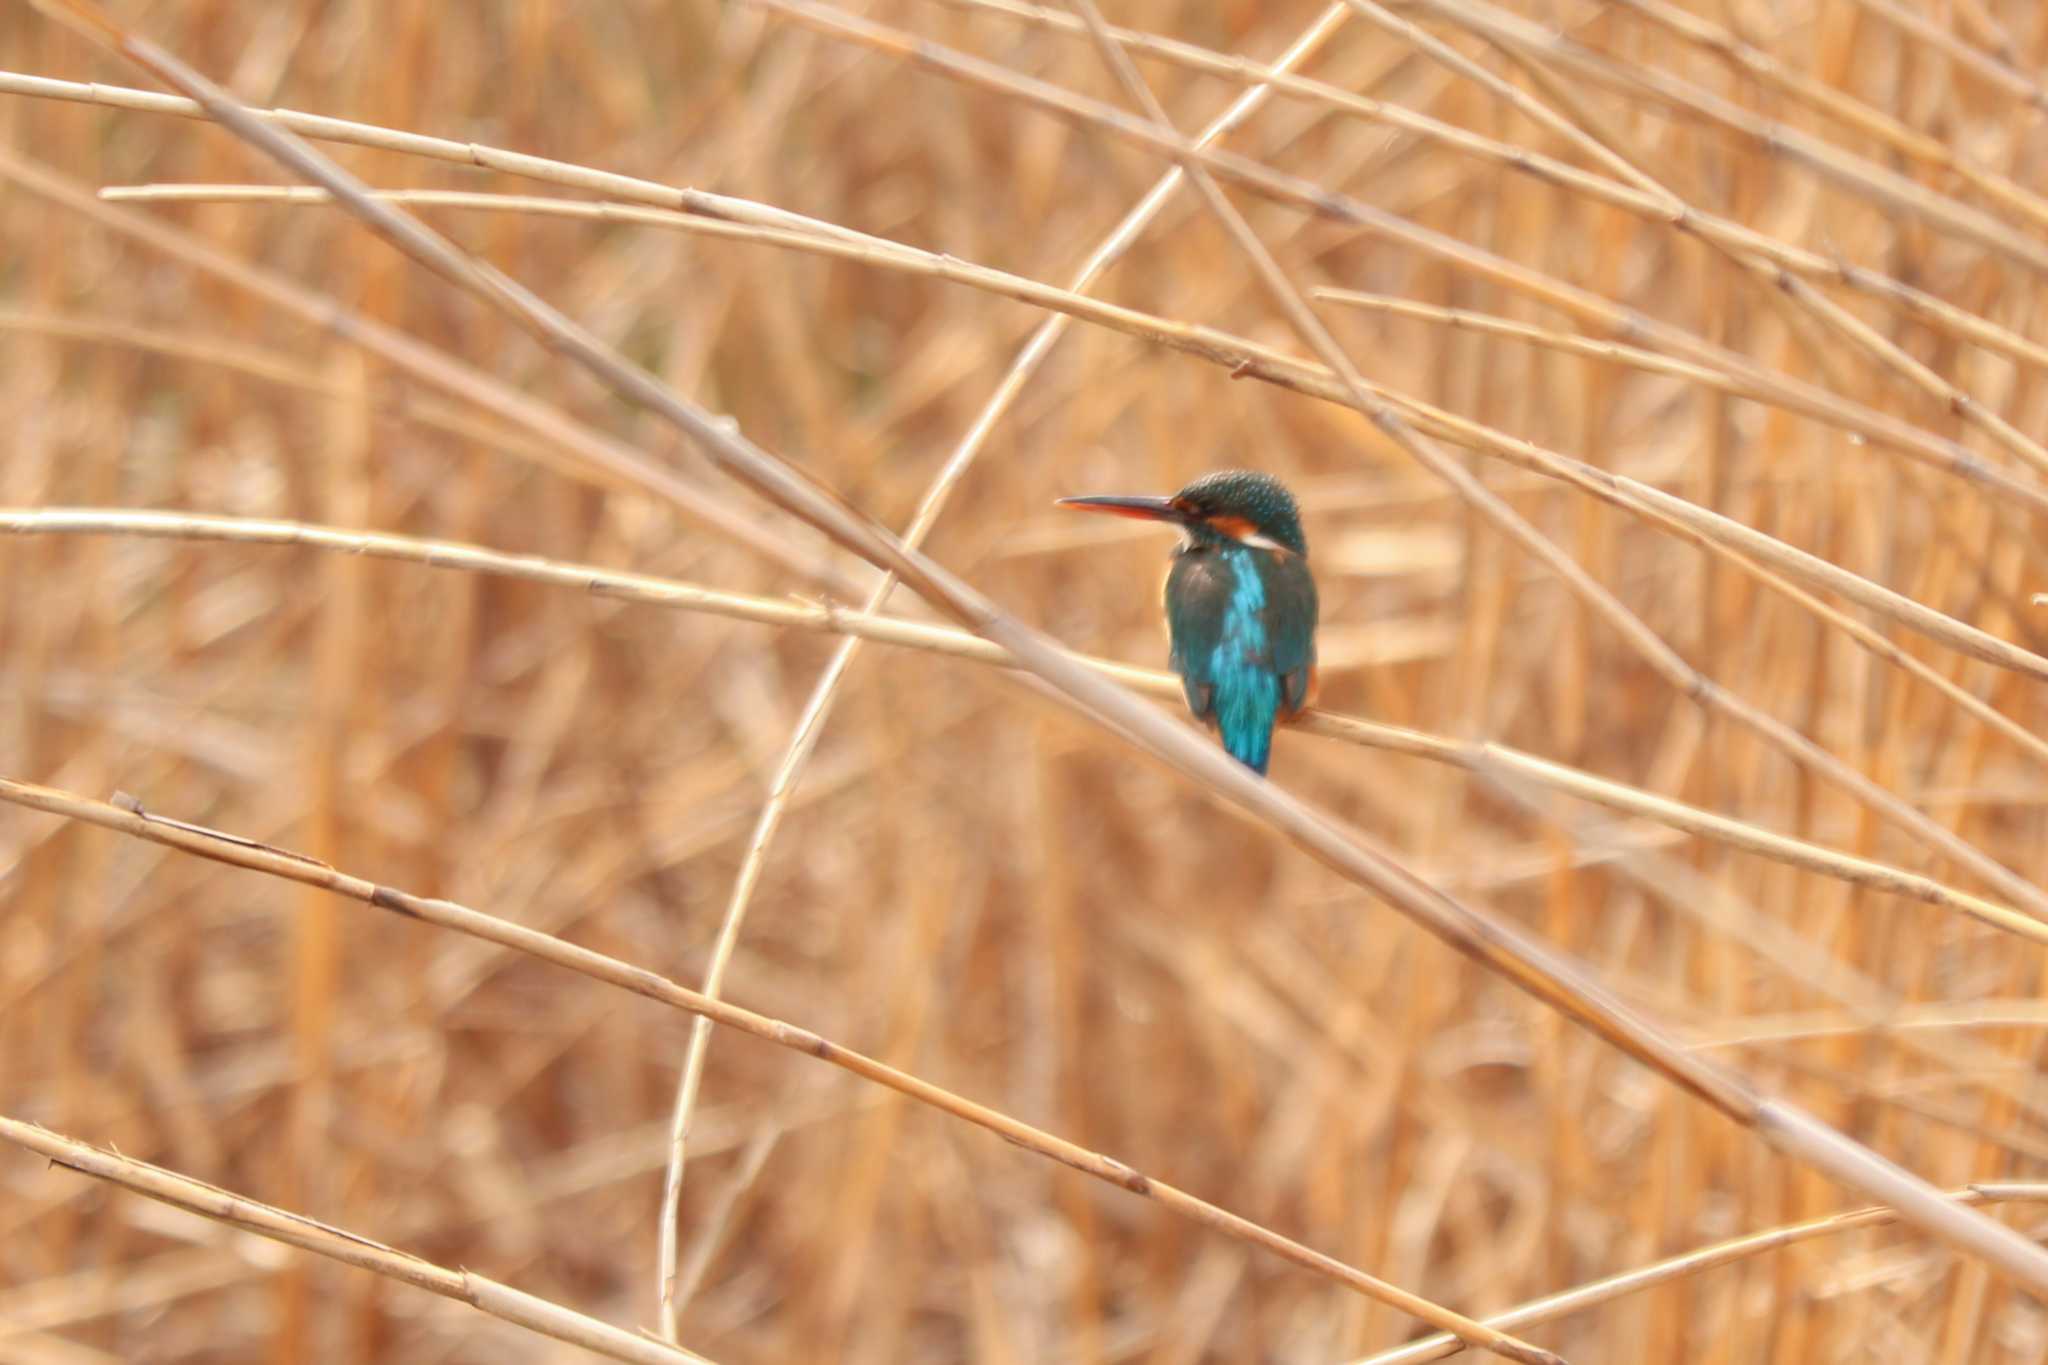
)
(1237, 528)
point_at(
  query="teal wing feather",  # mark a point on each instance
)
(1291, 621)
(1197, 586)
(1243, 628)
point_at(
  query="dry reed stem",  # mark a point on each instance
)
(1927, 307)
(1680, 674)
(718, 1223)
(266, 365)
(1798, 959)
(1999, 73)
(817, 710)
(601, 458)
(1290, 301)
(1614, 353)
(507, 162)
(1605, 145)
(1246, 359)
(1858, 175)
(1611, 317)
(1604, 138)
(1795, 1128)
(1840, 105)
(349, 1248)
(754, 213)
(1917, 303)
(1698, 1261)
(1669, 205)
(30, 1311)
(1287, 975)
(1621, 322)
(1473, 756)
(1985, 1014)
(1525, 960)
(1798, 1130)
(1253, 361)
(809, 237)
(127, 817)
(1988, 31)
(1653, 649)
(1797, 1138)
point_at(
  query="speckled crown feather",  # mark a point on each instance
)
(1259, 498)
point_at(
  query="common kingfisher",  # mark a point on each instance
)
(1240, 604)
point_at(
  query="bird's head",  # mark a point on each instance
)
(1231, 506)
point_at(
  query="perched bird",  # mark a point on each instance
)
(1240, 604)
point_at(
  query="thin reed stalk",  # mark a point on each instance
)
(1734, 319)
(248, 1215)
(953, 643)
(127, 817)
(818, 709)
(1696, 1262)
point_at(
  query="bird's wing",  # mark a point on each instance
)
(1291, 594)
(1197, 586)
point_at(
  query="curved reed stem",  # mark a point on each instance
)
(949, 642)
(1711, 1257)
(127, 817)
(248, 1215)
(1752, 550)
(1530, 964)
(1919, 304)
(811, 722)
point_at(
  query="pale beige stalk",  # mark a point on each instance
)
(817, 710)
(349, 1248)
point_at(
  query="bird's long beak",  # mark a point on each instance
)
(1143, 508)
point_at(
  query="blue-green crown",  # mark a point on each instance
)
(1259, 498)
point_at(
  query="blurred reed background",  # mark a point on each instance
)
(970, 884)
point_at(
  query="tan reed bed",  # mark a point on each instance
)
(1767, 292)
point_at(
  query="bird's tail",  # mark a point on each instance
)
(1244, 719)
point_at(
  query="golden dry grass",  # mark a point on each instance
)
(1684, 276)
